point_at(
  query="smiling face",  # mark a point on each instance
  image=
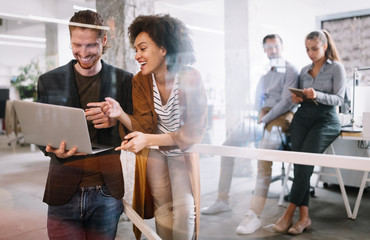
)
(315, 49)
(87, 48)
(150, 56)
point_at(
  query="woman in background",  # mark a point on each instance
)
(170, 112)
(315, 125)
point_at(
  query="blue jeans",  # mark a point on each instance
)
(92, 213)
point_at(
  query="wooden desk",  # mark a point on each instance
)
(352, 135)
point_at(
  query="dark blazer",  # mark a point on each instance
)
(59, 87)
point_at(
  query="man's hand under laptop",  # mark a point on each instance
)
(98, 117)
(61, 152)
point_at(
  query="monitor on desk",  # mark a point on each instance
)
(366, 125)
(362, 97)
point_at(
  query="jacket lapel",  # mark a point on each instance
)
(73, 98)
(108, 82)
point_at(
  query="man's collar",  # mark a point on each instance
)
(277, 63)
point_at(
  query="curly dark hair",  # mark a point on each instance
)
(91, 18)
(169, 33)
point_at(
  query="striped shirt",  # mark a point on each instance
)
(169, 113)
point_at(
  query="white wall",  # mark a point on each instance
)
(205, 20)
(64, 49)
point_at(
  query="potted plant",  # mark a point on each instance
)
(26, 81)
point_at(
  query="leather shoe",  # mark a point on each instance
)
(299, 227)
(282, 227)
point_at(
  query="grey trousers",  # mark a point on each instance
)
(271, 139)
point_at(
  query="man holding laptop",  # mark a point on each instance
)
(84, 191)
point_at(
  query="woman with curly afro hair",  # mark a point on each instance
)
(169, 116)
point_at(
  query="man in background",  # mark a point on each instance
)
(273, 101)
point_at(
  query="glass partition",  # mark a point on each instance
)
(232, 59)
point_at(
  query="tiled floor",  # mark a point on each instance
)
(23, 214)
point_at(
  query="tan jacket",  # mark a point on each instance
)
(193, 117)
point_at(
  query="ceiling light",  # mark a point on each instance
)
(52, 20)
(23, 38)
(205, 29)
(79, 8)
(19, 44)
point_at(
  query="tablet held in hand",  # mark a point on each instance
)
(299, 93)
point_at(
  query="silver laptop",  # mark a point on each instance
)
(48, 124)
